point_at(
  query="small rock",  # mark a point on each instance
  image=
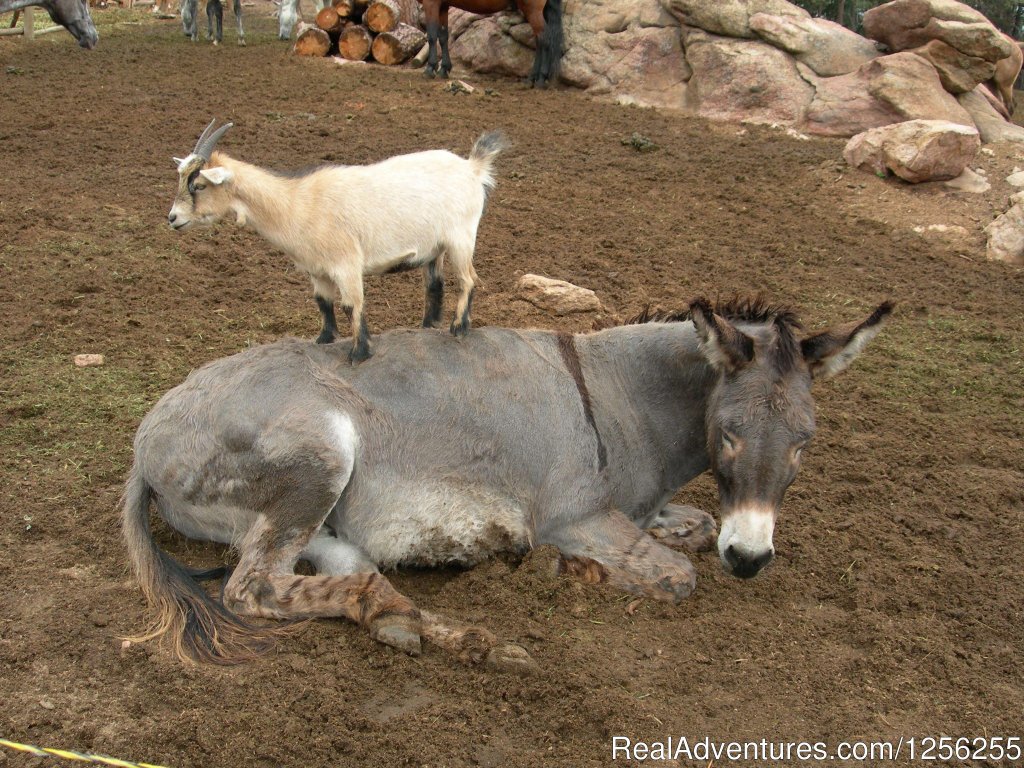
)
(915, 150)
(987, 152)
(557, 296)
(86, 361)
(47, 704)
(640, 143)
(969, 181)
(1006, 236)
(99, 619)
(1016, 179)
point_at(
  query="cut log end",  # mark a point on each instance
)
(399, 45)
(355, 42)
(312, 41)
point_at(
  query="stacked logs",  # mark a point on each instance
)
(386, 30)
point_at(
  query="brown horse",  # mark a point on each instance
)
(544, 17)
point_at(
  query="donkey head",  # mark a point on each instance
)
(202, 197)
(73, 15)
(760, 415)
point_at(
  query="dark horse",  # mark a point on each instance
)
(73, 15)
(544, 17)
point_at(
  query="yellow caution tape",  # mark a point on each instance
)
(69, 755)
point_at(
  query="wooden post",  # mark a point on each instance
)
(29, 25)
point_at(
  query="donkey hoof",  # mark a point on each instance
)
(509, 657)
(398, 634)
(241, 41)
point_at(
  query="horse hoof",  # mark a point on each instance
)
(429, 73)
(509, 657)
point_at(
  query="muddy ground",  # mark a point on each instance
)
(893, 609)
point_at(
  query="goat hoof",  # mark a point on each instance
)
(358, 355)
(325, 337)
(459, 330)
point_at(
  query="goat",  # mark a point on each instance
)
(339, 223)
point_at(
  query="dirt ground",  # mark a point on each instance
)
(893, 609)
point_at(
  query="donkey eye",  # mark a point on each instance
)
(729, 441)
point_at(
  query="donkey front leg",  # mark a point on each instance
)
(238, 21)
(686, 527)
(610, 548)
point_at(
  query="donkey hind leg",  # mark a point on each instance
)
(264, 584)
(461, 256)
(238, 22)
(332, 556)
(433, 280)
(610, 548)
(685, 527)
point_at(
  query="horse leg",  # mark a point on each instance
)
(609, 548)
(432, 12)
(238, 21)
(325, 293)
(685, 527)
(433, 278)
(541, 68)
(287, 17)
(188, 19)
(446, 62)
(214, 13)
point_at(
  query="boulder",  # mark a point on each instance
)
(905, 24)
(991, 124)
(958, 72)
(829, 49)
(486, 46)
(556, 296)
(729, 17)
(889, 89)
(744, 80)
(916, 150)
(1006, 233)
(627, 49)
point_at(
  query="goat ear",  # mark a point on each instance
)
(832, 351)
(726, 347)
(217, 175)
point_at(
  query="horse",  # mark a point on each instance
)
(214, 12)
(73, 15)
(442, 450)
(543, 16)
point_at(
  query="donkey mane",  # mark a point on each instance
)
(755, 310)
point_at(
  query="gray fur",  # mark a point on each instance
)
(73, 15)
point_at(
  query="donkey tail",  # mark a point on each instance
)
(201, 628)
(486, 148)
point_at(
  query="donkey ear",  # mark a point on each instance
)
(832, 351)
(726, 348)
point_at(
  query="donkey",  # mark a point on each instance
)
(287, 452)
(214, 13)
(73, 15)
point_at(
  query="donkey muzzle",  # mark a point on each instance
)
(745, 541)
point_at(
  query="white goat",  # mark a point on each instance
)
(339, 223)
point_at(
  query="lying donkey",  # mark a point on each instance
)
(436, 451)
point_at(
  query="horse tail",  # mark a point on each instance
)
(554, 34)
(486, 148)
(202, 629)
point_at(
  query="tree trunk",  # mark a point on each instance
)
(355, 42)
(399, 45)
(329, 20)
(312, 41)
(382, 15)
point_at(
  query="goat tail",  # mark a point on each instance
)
(486, 148)
(201, 628)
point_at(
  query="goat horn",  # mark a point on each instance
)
(208, 140)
